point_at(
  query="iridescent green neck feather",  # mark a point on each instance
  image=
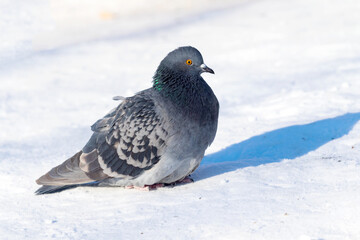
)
(157, 84)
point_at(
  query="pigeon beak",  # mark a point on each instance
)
(205, 68)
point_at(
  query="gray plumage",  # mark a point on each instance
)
(158, 135)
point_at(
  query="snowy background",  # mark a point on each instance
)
(285, 163)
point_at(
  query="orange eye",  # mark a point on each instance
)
(188, 62)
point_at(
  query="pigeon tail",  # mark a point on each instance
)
(46, 189)
(67, 173)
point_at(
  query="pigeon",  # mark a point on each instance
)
(156, 137)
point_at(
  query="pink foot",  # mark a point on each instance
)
(187, 179)
(159, 185)
(146, 187)
(155, 186)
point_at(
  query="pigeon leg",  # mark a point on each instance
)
(154, 186)
(146, 187)
(187, 179)
(159, 185)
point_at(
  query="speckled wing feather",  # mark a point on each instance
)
(130, 139)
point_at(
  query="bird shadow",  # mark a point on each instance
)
(274, 146)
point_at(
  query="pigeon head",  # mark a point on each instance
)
(181, 66)
(186, 60)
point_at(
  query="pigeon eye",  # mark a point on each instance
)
(188, 62)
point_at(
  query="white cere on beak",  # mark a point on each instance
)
(203, 66)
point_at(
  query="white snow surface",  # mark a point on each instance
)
(285, 162)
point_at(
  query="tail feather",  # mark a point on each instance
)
(67, 173)
(79, 170)
(46, 189)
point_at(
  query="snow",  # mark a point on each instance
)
(285, 162)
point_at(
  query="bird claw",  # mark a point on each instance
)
(146, 188)
(187, 179)
(155, 186)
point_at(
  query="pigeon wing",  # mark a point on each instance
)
(129, 140)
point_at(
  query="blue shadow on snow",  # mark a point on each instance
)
(284, 143)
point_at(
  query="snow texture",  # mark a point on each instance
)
(284, 165)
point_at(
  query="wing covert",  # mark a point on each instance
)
(134, 140)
